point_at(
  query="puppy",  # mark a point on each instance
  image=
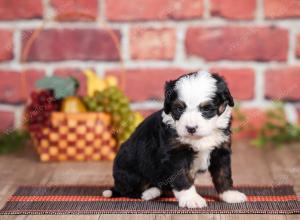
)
(190, 135)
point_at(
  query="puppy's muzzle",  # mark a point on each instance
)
(191, 130)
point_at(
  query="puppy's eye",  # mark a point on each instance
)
(206, 108)
(179, 109)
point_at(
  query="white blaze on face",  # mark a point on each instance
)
(194, 90)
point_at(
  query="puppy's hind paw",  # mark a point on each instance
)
(107, 193)
(233, 196)
(151, 193)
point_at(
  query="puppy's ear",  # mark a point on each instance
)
(223, 91)
(227, 96)
(170, 95)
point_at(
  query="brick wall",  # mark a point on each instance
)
(255, 44)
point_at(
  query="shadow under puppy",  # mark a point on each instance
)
(190, 135)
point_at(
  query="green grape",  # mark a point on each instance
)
(113, 101)
(97, 93)
(99, 99)
(115, 98)
(93, 105)
(117, 119)
(122, 125)
(114, 106)
(86, 99)
(125, 112)
(99, 109)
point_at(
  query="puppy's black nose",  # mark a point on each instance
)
(191, 130)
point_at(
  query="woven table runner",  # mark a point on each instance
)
(55, 200)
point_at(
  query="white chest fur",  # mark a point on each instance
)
(204, 147)
(201, 162)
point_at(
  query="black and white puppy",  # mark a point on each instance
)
(190, 135)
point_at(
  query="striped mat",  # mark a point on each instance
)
(55, 200)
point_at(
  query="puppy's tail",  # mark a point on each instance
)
(111, 193)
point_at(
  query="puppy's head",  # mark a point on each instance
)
(197, 103)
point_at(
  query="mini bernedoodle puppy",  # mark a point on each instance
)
(190, 135)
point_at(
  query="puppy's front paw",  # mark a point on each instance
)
(233, 196)
(195, 201)
(189, 198)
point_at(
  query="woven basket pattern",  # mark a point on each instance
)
(76, 137)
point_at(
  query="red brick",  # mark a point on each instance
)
(75, 10)
(24, 9)
(74, 44)
(237, 43)
(149, 43)
(233, 9)
(78, 74)
(15, 87)
(275, 9)
(283, 83)
(240, 81)
(7, 121)
(146, 84)
(298, 46)
(134, 10)
(10, 85)
(6, 46)
(31, 76)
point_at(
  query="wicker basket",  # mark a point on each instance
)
(76, 137)
(80, 136)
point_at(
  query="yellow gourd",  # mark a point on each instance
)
(73, 104)
(96, 83)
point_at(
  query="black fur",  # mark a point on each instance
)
(170, 95)
(222, 90)
(220, 168)
(153, 156)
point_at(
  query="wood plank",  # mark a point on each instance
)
(253, 217)
(131, 217)
(249, 165)
(13, 217)
(82, 173)
(9, 190)
(75, 173)
(284, 166)
(64, 217)
(294, 150)
(163, 216)
(197, 217)
(293, 217)
(24, 168)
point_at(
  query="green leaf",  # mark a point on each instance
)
(13, 140)
(258, 142)
(62, 87)
(276, 131)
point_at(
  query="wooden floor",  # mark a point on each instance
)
(250, 166)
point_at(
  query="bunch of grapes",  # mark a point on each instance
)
(114, 102)
(39, 110)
